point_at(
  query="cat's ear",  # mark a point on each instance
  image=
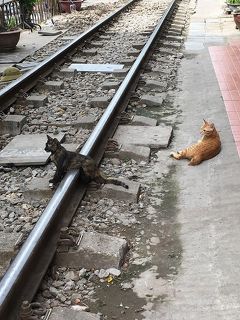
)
(49, 138)
(204, 121)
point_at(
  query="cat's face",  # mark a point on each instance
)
(51, 145)
(207, 128)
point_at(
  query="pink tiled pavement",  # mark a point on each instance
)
(226, 63)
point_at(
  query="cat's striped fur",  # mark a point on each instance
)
(66, 160)
(206, 148)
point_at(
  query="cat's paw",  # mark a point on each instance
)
(51, 185)
(175, 155)
(53, 181)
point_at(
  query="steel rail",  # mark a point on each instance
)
(29, 266)
(9, 94)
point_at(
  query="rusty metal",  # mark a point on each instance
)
(67, 239)
(125, 118)
(112, 145)
(26, 312)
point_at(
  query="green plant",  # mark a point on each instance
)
(7, 24)
(11, 24)
(233, 2)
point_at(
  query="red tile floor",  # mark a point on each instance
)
(226, 63)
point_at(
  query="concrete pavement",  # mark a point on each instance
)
(207, 286)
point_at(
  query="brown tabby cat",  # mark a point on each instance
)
(68, 160)
(206, 148)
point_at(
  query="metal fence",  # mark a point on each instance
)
(43, 10)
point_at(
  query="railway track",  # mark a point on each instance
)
(24, 275)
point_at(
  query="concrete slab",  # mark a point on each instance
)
(206, 283)
(95, 251)
(143, 121)
(89, 52)
(61, 313)
(93, 67)
(128, 62)
(133, 53)
(152, 137)
(68, 73)
(153, 101)
(120, 72)
(87, 122)
(119, 193)
(172, 45)
(99, 102)
(153, 84)
(108, 85)
(97, 44)
(37, 100)
(37, 189)
(12, 124)
(138, 45)
(7, 249)
(126, 151)
(54, 85)
(163, 71)
(138, 153)
(24, 150)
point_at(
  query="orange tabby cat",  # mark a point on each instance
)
(206, 148)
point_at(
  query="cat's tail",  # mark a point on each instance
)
(116, 182)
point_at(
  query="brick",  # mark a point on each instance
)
(7, 249)
(163, 71)
(37, 100)
(105, 37)
(68, 38)
(63, 313)
(54, 85)
(97, 44)
(89, 52)
(165, 51)
(171, 45)
(177, 25)
(128, 62)
(134, 53)
(153, 137)
(138, 45)
(174, 32)
(145, 33)
(111, 85)
(68, 73)
(153, 84)
(153, 101)
(174, 38)
(86, 122)
(79, 60)
(95, 251)
(180, 21)
(143, 121)
(99, 102)
(120, 73)
(12, 124)
(176, 29)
